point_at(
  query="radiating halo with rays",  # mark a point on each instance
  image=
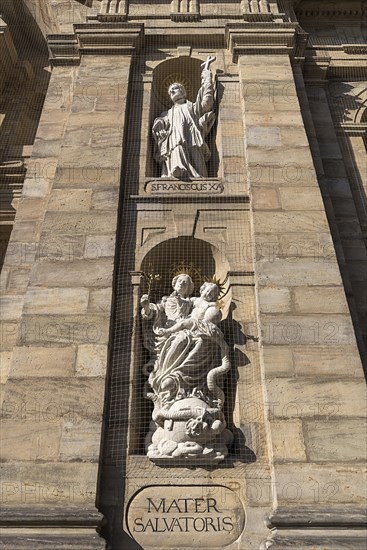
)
(166, 83)
(188, 269)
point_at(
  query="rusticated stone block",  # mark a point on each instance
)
(31, 440)
(274, 300)
(278, 361)
(99, 246)
(52, 483)
(299, 272)
(64, 329)
(336, 440)
(100, 300)
(90, 223)
(11, 307)
(320, 484)
(36, 361)
(305, 398)
(319, 300)
(265, 198)
(91, 360)
(287, 441)
(93, 273)
(329, 361)
(49, 400)
(66, 200)
(55, 301)
(305, 198)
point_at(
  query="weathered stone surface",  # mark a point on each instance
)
(80, 439)
(330, 361)
(320, 484)
(64, 329)
(105, 200)
(318, 246)
(265, 198)
(18, 279)
(258, 136)
(11, 307)
(278, 360)
(307, 329)
(298, 272)
(5, 364)
(8, 335)
(91, 360)
(31, 440)
(29, 209)
(21, 254)
(49, 400)
(274, 300)
(91, 223)
(55, 301)
(66, 200)
(302, 398)
(100, 300)
(319, 300)
(36, 361)
(53, 483)
(336, 440)
(305, 198)
(281, 222)
(99, 246)
(287, 441)
(93, 273)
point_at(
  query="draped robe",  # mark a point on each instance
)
(183, 151)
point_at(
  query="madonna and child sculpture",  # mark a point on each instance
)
(189, 358)
(180, 132)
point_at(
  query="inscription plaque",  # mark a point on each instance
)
(185, 516)
(172, 186)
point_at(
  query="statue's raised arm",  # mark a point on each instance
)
(180, 133)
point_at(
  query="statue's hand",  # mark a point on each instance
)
(159, 129)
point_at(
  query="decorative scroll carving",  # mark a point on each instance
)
(180, 132)
(189, 358)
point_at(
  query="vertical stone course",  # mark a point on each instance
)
(310, 356)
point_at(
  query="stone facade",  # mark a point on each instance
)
(280, 219)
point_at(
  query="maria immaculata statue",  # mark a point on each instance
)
(180, 132)
(189, 358)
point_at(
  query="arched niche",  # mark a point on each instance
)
(202, 261)
(187, 71)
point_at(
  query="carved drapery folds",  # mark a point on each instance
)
(180, 132)
(189, 358)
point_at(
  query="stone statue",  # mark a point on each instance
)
(180, 132)
(189, 357)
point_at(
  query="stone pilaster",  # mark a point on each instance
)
(54, 394)
(313, 376)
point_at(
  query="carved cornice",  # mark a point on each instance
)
(266, 39)
(326, 11)
(94, 38)
(344, 61)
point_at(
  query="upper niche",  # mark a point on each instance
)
(187, 71)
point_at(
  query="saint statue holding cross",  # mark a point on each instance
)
(180, 132)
